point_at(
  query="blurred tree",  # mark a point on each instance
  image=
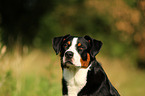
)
(118, 23)
(19, 19)
(139, 37)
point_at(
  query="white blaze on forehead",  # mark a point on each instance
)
(76, 57)
(73, 45)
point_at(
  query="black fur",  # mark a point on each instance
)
(64, 86)
(98, 83)
(57, 42)
(95, 46)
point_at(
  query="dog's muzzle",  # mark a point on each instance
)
(68, 58)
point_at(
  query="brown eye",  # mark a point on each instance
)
(65, 45)
(81, 48)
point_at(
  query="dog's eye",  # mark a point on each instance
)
(65, 45)
(80, 48)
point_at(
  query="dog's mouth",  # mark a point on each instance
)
(68, 63)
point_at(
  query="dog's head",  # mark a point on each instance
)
(76, 51)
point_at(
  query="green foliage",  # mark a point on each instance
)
(116, 24)
(60, 18)
(39, 74)
(20, 20)
(78, 23)
(8, 84)
(29, 86)
(25, 77)
(132, 3)
(36, 86)
(79, 20)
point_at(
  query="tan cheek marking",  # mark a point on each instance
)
(85, 64)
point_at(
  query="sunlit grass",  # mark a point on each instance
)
(35, 74)
(125, 77)
(39, 74)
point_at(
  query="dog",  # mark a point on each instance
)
(82, 74)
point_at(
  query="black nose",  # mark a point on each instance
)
(69, 54)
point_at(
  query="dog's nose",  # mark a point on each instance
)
(69, 54)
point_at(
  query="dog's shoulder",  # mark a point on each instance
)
(98, 82)
(96, 73)
(96, 67)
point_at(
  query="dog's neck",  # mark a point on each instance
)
(76, 79)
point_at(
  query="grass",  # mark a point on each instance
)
(39, 74)
(36, 74)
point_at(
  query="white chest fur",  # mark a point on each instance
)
(76, 79)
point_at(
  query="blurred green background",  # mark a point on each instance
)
(28, 64)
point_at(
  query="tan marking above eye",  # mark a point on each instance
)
(79, 44)
(68, 42)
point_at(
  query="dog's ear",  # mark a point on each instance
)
(57, 42)
(95, 45)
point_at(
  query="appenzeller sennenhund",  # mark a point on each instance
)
(82, 74)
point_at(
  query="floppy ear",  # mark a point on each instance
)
(57, 41)
(95, 45)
